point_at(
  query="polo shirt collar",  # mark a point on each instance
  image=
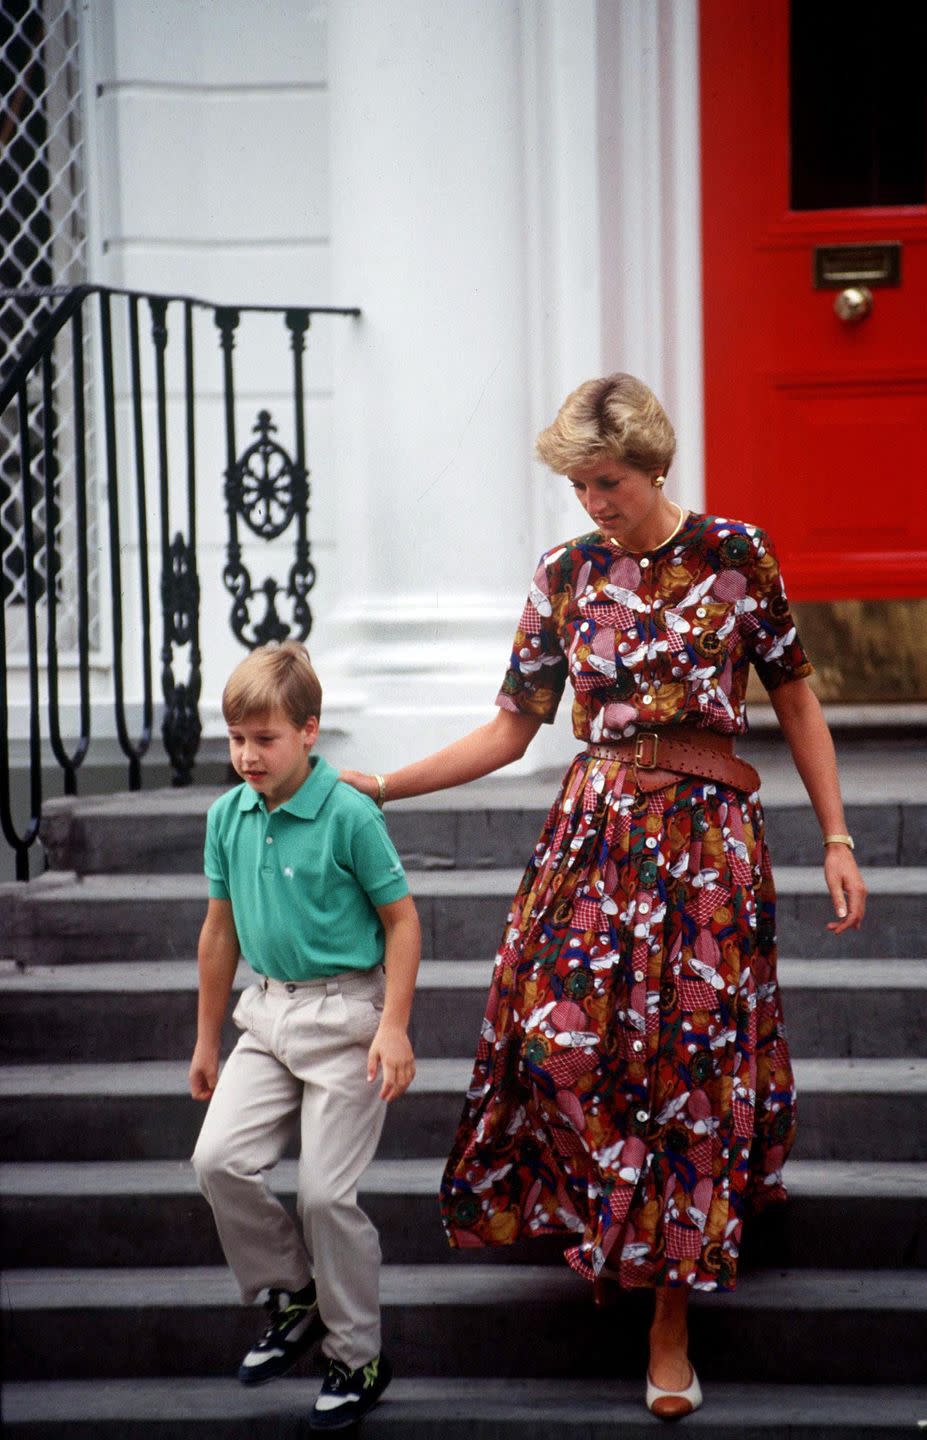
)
(308, 799)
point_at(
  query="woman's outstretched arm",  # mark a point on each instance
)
(505, 738)
(799, 713)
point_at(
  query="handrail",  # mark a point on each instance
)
(21, 292)
(76, 294)
(265, 489)
(42, 343)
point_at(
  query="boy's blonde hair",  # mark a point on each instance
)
(619, 416)
(273, 677)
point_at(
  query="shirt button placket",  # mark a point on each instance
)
(645, 592)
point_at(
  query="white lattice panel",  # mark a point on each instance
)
(43, 237)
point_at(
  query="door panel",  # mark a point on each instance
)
(861, 535)
(816, 427)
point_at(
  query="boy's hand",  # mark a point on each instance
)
(392, 1050)
(204, 1071)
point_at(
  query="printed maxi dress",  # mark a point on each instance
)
(632, 1085)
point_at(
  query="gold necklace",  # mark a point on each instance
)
(671, 536)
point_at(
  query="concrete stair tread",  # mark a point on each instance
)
(143, 976)
(860, 1179)
(58, 886)
(470, 1285)
(120, 917)
(870, 775)
(433, 1076)
(550, 1407)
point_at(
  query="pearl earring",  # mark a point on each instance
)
(659, 482)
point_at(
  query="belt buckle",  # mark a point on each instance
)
(640, 760)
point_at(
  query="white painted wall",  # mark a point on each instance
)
(211, 131)
(509, 189)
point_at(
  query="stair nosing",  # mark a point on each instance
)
(176, 976)
(835, 1075)
(747, 1404)
(110, 888)
(470, 1285)
(860, 1179)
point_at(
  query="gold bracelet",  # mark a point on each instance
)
(380, 796)
(839, 840)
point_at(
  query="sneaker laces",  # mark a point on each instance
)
(338, 1377)
(279, 1304)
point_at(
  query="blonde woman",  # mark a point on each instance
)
(633, 1087)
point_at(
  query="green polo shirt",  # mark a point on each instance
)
(304, 879)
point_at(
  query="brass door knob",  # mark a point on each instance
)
(853, 304)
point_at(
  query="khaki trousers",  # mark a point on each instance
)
(302, 1060)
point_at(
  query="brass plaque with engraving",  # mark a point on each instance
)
(836, 266)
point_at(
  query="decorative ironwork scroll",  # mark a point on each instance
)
(268, 490)
(180, 607)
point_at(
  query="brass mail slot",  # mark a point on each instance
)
(836, 266)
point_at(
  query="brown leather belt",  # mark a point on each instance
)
(661, 757)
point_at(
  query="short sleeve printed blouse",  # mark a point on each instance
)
(657, 638)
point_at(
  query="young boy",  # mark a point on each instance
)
(304, 881)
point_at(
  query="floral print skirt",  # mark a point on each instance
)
(632, 1084)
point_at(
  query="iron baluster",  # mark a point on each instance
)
(81, 524)
(68, 763)
(141, 506)
(180, 593)
(133, 752)
(302, 574)
(234, 576)
(21, 843)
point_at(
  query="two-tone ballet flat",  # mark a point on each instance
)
(673, 1404)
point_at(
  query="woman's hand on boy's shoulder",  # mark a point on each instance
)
(392, 1053)
(366, 784)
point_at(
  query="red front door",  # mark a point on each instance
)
(814, 191)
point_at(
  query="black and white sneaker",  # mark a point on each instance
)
(295, 1326)
(346, 1395)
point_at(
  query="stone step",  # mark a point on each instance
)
(59, 918)
(140, 1213)
(832, 1327)
(147, 1010)
(467, 1409)
(495, 822)
(850, 1109)
(139, 835)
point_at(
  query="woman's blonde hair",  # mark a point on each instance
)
(273, 677)
(618, 415)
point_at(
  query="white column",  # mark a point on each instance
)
(432, 435)
(464, 222)
(651, 212)
(562, 228)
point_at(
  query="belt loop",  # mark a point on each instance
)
(332, 987)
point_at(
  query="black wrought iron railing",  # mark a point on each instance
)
(60, 428)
